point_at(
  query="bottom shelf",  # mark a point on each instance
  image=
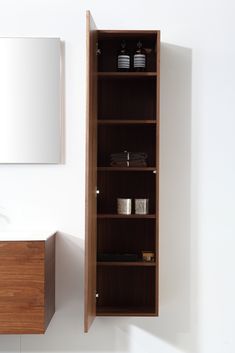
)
(126, 311)
(126, 291)
(126, 263)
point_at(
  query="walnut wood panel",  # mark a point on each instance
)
(49, 294)
(91, 151)
(22, 283)
(23, 319)
(27, 286)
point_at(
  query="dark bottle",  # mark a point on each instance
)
(139, 62)
(123, 58)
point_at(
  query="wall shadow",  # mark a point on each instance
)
(178, 279)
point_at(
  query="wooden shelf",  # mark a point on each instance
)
(126, 169)
(125, 122)
(126, 263)
(127, 34)
(126, 74)
(125, 311)
(132, 216)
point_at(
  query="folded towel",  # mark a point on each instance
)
(128, 156)
(138, 155)
(128, 159)
(136, 163)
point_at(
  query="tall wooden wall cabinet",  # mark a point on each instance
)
(122, 115)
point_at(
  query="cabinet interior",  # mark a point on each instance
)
(125, 290)
(129, 98)
(118, 235)
(113, 185)
(109, 43)
(114, 138)
(127, 120)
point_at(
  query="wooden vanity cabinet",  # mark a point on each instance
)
(27, 286)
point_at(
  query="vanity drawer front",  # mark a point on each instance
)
(21, 319)
(22, 286)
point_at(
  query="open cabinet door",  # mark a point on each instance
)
(91, 184)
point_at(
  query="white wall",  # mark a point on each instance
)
(197, 178)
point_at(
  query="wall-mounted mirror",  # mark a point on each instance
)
(30, 100)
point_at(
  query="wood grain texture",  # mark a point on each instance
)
(91, 152)
(22, 283)
(23, 295)
(49, 279)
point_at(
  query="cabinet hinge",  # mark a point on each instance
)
(98, 50)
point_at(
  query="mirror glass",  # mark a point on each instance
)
(30, 100)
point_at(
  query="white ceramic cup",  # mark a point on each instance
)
(124, 206)
(141, 206)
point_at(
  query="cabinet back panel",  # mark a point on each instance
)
(125, 185)
(127, 99)
(132, 138)
(107, 60)
(121, 236)
(126, 287)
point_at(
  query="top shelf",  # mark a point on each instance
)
(127, 34)
(115, 74)
(126, 122)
